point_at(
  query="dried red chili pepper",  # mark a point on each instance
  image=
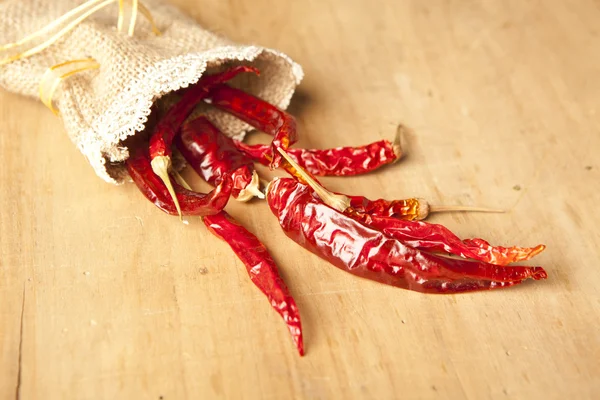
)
(417, 234)
(339, 161)
(261, 269)
(213, 155)
(164, 132)
(408, 209)
(503, 255)
(413, 209)
(192, 203)
(259, 114)
(368, 253)
(433, 237)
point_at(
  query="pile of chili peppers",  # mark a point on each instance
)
(380, 240)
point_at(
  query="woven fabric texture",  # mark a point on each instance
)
(101, 108)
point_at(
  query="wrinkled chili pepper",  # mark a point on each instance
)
(433, 237)
(368, 253)
(192, 203)
(413, 209)
(417, 234)
(261, 269)
(339, 161)
(405, 209)
(364, 237)
(259, 114)
(504, 255)
(213, 155)
(408, 209)
(164, 132)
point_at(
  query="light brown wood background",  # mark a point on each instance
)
(104, 297)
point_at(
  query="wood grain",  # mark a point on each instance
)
(102, 296)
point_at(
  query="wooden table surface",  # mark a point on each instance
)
(102, 296)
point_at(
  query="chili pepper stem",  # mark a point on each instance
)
(397, 143)
(251, 190)
(265, 183)
(425, 209)
(180, 180)
(336, 201)
(160, 166)
(434, 209)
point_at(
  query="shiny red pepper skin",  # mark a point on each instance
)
(166, 129)
(213, 155)
(368, 253)
(339, 161)
(261, 269)
(433, 237)
(192, 203)
(408, 209)
(260, 115)
(504, 255)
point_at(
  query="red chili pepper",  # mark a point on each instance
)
(414, 233)
(504, 255)
(259, 114)
(213, 155)
(192, 203)
(414, 209)
(409, 209)
(261, 269)
(339, 161)
(366, 252)
(433, 237)
(164, 132)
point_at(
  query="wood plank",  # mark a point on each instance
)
(105, 297)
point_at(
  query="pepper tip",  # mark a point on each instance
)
(301, 350)
(537, 250)
(298, 341)
(539, 273)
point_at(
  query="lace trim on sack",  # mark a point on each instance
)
(129, 112)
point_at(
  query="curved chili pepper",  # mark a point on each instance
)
(259, 114)
(366, 252)
(167, 127)
(417, 234)
(408, 209)
(164, 132)
(213, 155)
(433, 237)
(261, 269)
(192, 203)
(339, 161)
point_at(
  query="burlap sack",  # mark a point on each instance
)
(103, 107)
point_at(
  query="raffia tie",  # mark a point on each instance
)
(46, 36)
